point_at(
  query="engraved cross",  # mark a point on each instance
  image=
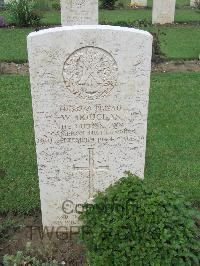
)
(91, 169)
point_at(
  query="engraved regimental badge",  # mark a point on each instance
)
(90, 73)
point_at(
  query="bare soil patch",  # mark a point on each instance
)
(177, 66)
(63, 247)
(13, 68)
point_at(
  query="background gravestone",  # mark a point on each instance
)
(90, 105)
(163, 11)
(193, 2)
(79, 12)
(140, 2)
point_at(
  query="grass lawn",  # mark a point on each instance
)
(173, 152)
(179, 3)
(18, 175)
(51, 18)
(13, 47)
(183, 14)
(176, 44)
(129, 15)
(179, 43)
(112, 16)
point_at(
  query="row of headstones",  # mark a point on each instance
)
(142, 3)
(82, 12)
(163, 11)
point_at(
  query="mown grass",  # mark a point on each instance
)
(173, 151)
(13, 45)
(176, 43)
(18, 181)
(113, 16)
(184, 13)
(179, 3)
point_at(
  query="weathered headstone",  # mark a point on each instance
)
(79, 12)
(163, 11)
(90, 105)
(141, 3)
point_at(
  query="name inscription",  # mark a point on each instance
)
(91, 124)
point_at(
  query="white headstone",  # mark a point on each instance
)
(141, 3)
(194, 2)
(90, 95)
(163, 11)
(79, 12)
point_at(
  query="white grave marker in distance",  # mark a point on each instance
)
(163, 11)
(79, 12)
(142, 3)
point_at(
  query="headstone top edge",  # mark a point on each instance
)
(88, 27)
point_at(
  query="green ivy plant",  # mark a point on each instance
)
(135, 224)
